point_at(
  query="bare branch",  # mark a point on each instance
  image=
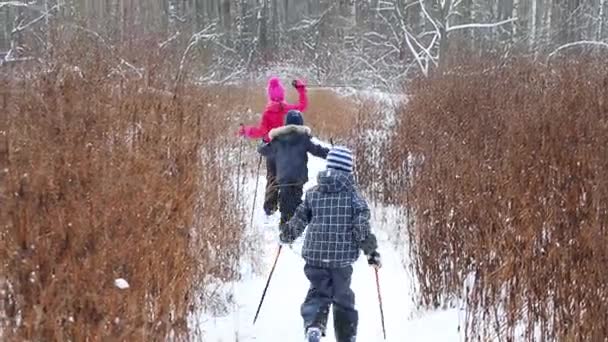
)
(384, 6)
(28, 5)
(429, 18)
(480, 25)
(169, 40)
(308, 24)
(44, 15)
(455, 5)
(424, 49)
(581, 42)
(194, 40)
(415, 47)
(423, 67)
(138, 71)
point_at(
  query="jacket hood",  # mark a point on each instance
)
(276, 92)
(284, 130)
(335, 181)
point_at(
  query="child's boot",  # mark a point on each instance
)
(345, 325)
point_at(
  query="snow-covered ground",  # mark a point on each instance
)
(279, 318)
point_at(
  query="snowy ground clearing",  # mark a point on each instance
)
(279, 318)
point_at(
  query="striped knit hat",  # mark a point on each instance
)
(340, 158)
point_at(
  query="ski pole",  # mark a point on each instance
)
(238, 174)
(329, 86)
(380, 302)
(276, 258)
(255, 193)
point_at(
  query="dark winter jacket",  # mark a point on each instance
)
(338, 222)
(288, 147)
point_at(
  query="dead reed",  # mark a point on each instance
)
(505, 173)
(106, 175)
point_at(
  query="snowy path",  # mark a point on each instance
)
(279, 318)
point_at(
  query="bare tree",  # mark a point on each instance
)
(377, 42)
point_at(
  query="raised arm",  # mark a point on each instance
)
(302, 104)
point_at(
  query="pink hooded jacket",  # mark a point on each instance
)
(274, 113)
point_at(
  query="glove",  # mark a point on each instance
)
(261, 146)
(369, 245)
(244, 131)
(284, 237)
(373, 259)
(262, 143)
(298, 84)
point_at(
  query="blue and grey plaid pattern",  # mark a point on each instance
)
(337, 218)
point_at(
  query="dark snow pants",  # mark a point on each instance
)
(271, 198)
(290, 197)
(331, 286)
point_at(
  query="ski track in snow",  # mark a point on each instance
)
(279, 318)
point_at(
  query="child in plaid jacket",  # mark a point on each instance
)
(338, 228)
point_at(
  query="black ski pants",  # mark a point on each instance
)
(290, 197)
(331, 287)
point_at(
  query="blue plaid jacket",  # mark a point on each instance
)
(338, 222)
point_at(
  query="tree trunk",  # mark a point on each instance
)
(172, 12)
(444, 42)
(372, 16)
(539, 22)
(199, 15)
(344, 8)
(286, 14)
(559, 28)
(522, 26)
(226, 17)
(48, 29)
(573, 16)
(211, 9)
(505, 12)
(602, 31)
(464, 38)
(361, 13)
(275, 24)
(312, 9)
(5, 29)
(246, 25)
(263, 29)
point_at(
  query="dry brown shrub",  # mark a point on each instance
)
(368, 140)
(510, 187)
(329, 114)
(106, 177)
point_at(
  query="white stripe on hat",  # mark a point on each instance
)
(344, 154)
(340, 158)
(347, 163)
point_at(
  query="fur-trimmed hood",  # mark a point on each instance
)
(288, 148)
(283, 130)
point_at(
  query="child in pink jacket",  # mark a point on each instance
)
(273, 117)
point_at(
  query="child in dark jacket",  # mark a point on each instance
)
(338, 228)
(289, 147)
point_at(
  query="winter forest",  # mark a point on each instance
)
(374, 42)
(132, 203)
